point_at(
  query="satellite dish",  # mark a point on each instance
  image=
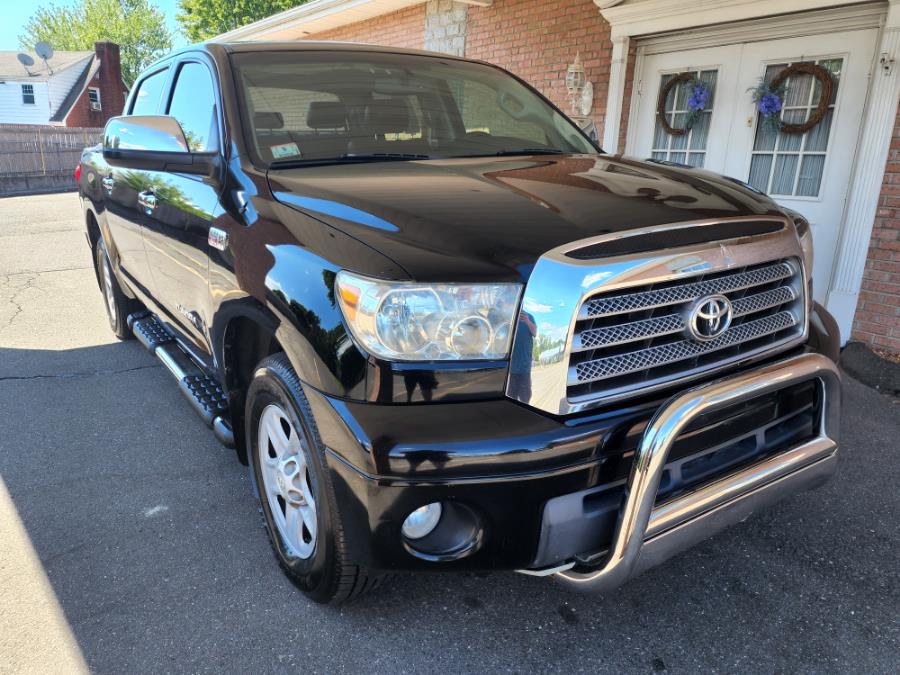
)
(25, 60)
(44, 50)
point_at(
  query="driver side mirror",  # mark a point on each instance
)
(153, 143)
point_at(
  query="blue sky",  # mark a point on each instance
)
(16, 13)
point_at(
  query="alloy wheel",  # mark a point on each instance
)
(108, 293)
(285, 472)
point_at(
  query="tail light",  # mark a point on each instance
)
(78, 173)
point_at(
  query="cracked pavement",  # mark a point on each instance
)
(130, 537)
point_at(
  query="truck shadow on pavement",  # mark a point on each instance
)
(149, 534)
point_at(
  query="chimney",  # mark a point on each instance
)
(112, 88)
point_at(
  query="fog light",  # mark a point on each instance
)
(422, 521)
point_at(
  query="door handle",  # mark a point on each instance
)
(147, 201)
(108, 184)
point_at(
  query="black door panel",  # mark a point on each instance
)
(121, 188)
(179, 210)
(176, 232)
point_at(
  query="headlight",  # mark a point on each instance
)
(405, 321)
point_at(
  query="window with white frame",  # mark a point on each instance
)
(28, 94)
(690, 147)
(94, 98)
(793, 164)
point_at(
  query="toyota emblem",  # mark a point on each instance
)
(709, 318)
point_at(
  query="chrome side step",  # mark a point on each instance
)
(647, 534)
(202, 392)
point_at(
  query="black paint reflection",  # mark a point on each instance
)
(522, 356)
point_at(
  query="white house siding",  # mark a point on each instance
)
(13, 111)
(48, 95)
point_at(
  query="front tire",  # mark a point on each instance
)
(296, 494)
(118, 305)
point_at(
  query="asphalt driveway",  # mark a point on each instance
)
(157, 560)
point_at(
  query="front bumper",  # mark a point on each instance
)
(646, 534)
(510, 464)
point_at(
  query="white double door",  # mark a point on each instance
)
(807, 172)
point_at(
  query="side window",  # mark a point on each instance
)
(146, 99)
(194, 106)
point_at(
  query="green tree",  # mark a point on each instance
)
(203, 19)
(137, 26)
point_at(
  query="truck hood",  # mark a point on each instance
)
(480, 219)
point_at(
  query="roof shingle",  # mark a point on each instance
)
(11, 69)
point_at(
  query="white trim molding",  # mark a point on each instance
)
(314, 17)
(646, 17)
(868, 174)
(618, 68)
(321, 15)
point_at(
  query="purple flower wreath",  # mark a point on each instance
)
(769, 102)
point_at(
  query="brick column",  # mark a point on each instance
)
(445, 27)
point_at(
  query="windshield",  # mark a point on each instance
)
(313, 106)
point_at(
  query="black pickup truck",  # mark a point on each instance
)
(444, 329)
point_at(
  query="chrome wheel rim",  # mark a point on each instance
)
(285, 473)
(108, 288)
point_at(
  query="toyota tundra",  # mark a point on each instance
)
(445, 330)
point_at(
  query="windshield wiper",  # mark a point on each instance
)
(517, 152)
(379, 156)
(529, 151)
(348, 158)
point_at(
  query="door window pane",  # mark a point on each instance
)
(817, 137)
(783, 176)
(672, 148)
(700, 133)
(760, 169)
(146, 99)
(793, 164)
(194, 106)
(810, 175)
(765, 138)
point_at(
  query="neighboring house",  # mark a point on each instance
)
(843, 173)
(71, 89)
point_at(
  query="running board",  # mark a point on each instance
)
(202, 392)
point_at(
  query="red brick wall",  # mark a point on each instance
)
(877, 319)
(537, 40)
(108, 79)
(403, 28)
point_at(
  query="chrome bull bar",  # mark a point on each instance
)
(646, 534)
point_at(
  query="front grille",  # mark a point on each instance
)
(637, 339)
